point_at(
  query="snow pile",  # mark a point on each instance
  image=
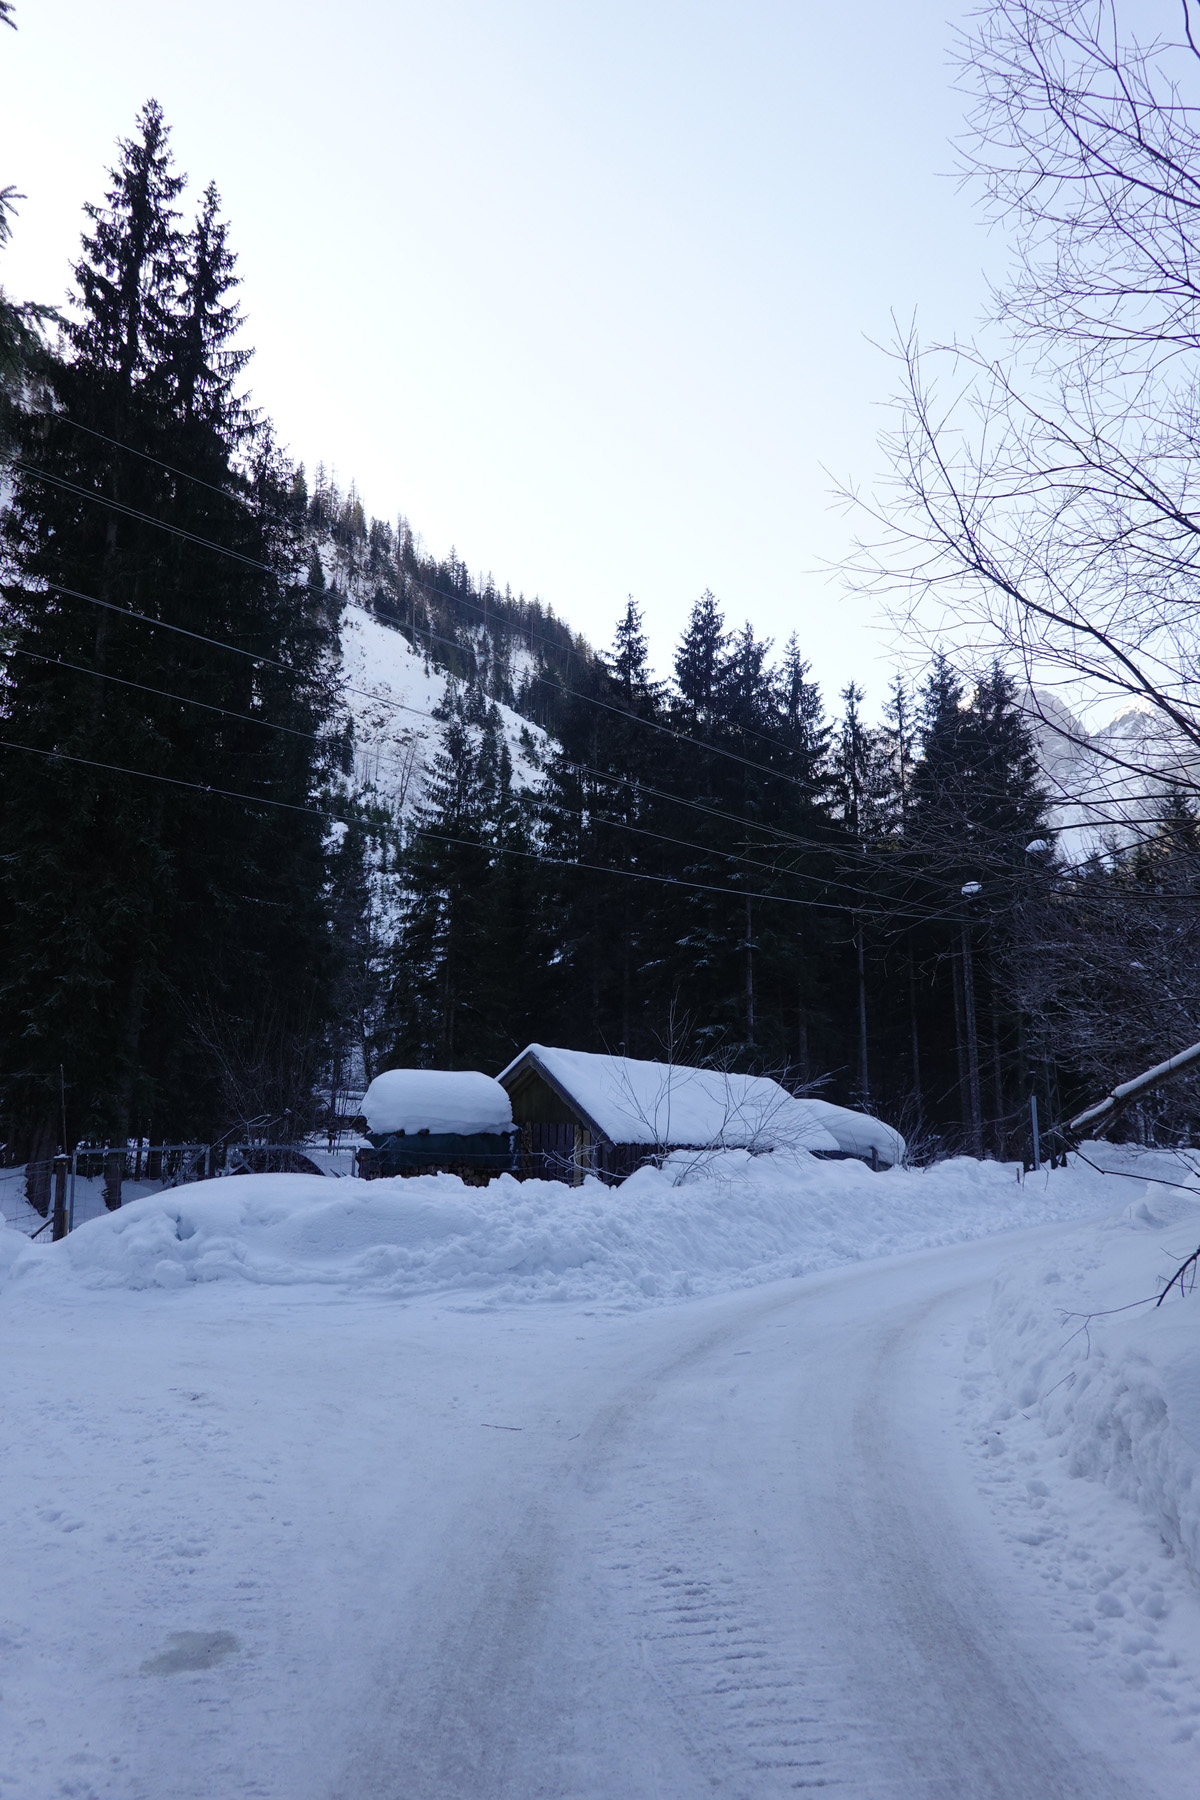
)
(697, 1226)
(436, 1100)
(1116, 1389)
(633, 1102)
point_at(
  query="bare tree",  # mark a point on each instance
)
(1045, 487)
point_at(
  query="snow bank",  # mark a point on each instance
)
(634, 1102)
(1117, 1391)
(697, 1226)
(436, 1100)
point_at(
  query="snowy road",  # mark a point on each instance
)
(734, 1547)
(759, 1569)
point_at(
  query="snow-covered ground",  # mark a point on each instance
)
(308, 1491)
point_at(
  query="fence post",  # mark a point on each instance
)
(114, 1165)
(59, 1228)
(1037, 1142)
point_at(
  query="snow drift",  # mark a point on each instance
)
(1116, 1386)
(696, 1226)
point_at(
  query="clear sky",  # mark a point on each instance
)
(584, 288)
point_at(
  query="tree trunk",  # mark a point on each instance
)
(998, 1079)
(959, 1053)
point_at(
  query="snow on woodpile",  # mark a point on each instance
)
(460, 1101)
(634, 1102)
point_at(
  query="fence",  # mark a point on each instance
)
(54, 1195)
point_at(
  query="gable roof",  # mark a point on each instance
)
(626, 1101)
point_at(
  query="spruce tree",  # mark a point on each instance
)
(164, 945)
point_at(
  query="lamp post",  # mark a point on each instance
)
(970, 891)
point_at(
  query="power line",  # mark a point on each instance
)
(199, 787)
(394, 705)
(57, 662)
(250, 562)
(423, 831)
(132, 512)
(184, 474)
(882, 862)
(311, 737)
(409, 579)
(570, 812)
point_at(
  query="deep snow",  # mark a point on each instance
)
(701, 1225)
(307, 1494)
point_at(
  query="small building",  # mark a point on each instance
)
(434, 1121)
(580, 1113)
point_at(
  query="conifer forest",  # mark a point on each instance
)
(209, 915)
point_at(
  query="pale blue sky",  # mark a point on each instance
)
(584, 289)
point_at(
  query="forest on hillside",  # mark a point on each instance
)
(207, 928)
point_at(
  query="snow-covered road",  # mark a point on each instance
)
(739, 1546)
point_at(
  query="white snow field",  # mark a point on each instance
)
(311, 1493)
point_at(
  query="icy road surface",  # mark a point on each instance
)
(261, 1543)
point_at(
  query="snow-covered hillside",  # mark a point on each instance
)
(393, 693)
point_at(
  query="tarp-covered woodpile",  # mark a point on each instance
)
(422, 1121)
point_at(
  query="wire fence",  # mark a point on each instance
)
(98, 1178)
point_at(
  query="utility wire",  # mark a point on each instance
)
(434, 593)
(420, 712)
(268, 661)
(442, 837)
(250, 562)
(58, 662)
(884, 863)
(409, 579)
(63, 418)
(541, 802)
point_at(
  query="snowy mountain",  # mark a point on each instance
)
(1107, 786)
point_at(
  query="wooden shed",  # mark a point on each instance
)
(580, 1113)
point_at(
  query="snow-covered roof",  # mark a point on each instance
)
(632, 1102)
(460, 1101)
(857, 1133)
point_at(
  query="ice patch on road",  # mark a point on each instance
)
(190, 1650)
(696, 1226)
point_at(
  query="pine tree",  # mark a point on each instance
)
(153, 931)
(699, 661)
(462, 964)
